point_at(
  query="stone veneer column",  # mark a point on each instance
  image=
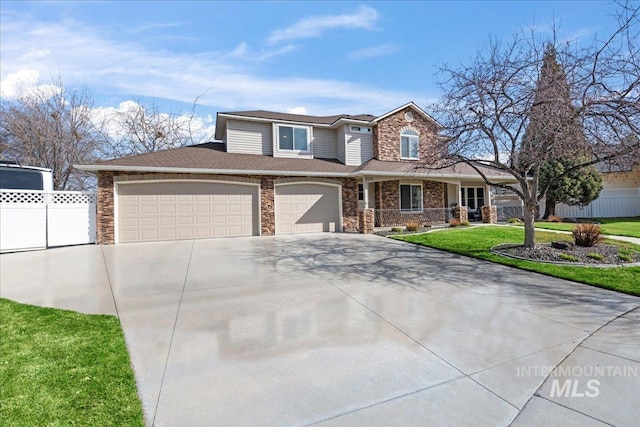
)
(489, 214)
(365, 217)
(105, 214)
(461, 213)
(267, 207)
(349, 204)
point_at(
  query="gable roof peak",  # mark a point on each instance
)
(413, 106)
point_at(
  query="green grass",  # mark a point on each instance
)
(477, 241)
(614, 226)
(60, 367)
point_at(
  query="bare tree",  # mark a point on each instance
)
(142, 128)
(488, 105)
(50, 126)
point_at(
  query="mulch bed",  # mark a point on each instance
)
(546, 253)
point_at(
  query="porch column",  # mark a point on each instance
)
(365, 192)
(487, 195)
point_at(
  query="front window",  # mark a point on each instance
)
(409, 143)
(473, 197)
(360, 192)
(410, 197)
(293, 138)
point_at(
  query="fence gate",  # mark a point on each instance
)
(39, 219)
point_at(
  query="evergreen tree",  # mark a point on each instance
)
(578, 188)
(553, 123)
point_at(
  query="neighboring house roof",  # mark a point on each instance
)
(212, 159)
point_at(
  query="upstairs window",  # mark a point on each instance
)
(293, 138)
(409, 143)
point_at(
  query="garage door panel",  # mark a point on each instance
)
(307, 208)
(186, 210)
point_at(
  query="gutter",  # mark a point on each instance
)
(113, 168)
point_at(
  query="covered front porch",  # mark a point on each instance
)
(395, 201)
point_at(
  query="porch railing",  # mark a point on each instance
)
(400, 217)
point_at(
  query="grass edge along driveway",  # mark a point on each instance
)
(60, 367)
(629, 227)
(476, 242)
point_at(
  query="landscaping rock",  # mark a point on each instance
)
(564, 246)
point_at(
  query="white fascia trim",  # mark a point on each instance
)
(95, 168)
(415, 107)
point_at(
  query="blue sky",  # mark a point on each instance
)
(314, 57)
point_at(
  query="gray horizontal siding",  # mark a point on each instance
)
(249, 137)
(359, 148)
(340, 143)
(324, 143)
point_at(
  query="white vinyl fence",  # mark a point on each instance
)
(611, 203)
(39, 219)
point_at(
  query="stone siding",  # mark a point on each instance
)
(105, 213)
(489, 214)
(349, 204)
(433, 194)
(386, 135)
(366, 221)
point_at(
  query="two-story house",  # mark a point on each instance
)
(275, 173)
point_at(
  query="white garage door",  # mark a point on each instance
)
(186, 210)
(307, 208)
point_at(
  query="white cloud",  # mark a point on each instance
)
(158, 26)
(375, 51)
(201, 128)
(23, 83)
(297, 110)
(364, 18)
(244, 52)
(83, 54)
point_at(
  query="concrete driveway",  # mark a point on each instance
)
(343, 329)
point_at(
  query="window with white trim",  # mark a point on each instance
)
(410, 197)
(293, 138)
(472, 197)
(409, 143)
(360, 193)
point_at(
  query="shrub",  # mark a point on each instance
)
(426, 225)
(413, 225)
(397, 229)
(554, 218)
(568, 257)
(587, 234)
(465, 223)
(625, 257)
(455, 222)
(514, 221)
(596, 256)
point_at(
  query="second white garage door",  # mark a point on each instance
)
(307, 208)
(186, 210)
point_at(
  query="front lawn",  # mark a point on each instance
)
(476, 242)
(614, 226)
(60, 367)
